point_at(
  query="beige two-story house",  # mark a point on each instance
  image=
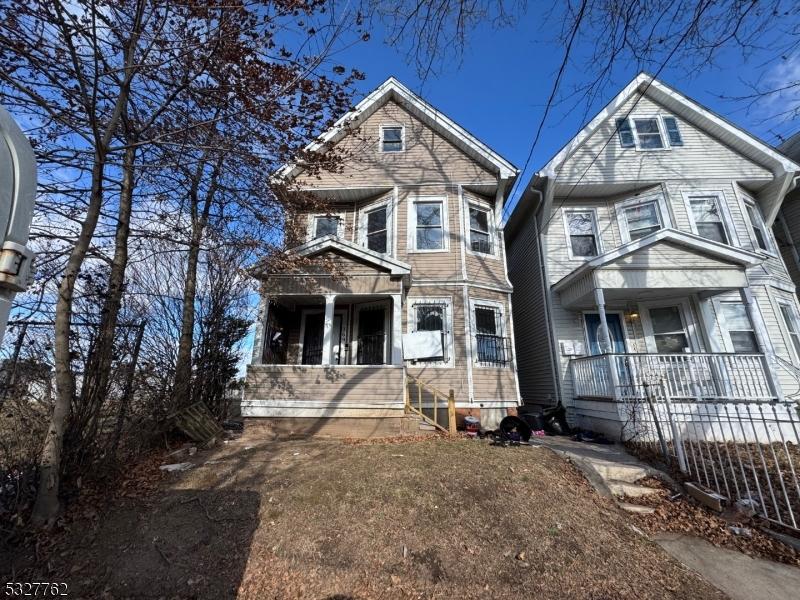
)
(405, 278)
(642, 254)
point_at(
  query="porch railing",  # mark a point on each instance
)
(422, 399)
(703, 376)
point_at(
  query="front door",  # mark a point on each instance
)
(594, 335)
(372, 336)
(313, 337)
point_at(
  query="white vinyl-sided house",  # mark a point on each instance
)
(643, 253)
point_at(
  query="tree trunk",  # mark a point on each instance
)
(95, 387)
(183, 364)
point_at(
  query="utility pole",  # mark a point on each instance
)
(17, 197)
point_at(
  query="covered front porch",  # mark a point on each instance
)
(670, 310)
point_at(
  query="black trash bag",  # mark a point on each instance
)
(534, 420)
(555, 420)
(514, 429)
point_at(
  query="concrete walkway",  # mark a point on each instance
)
(736, 574)
(609, 468)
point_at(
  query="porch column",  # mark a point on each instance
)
(327, 331)
(397, 329)
(259, 339)
(605, 342)
(762, 339)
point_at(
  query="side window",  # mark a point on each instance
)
(739, 328)
(376, 232)
(434, 315)
(392, 138)
(323, 225)
(641, 217)
(757, 227)
(428, 231)
(490, 346)
(581, 228)
(790, 321)
(480, 229)
(706, 214)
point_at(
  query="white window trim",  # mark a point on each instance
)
(724, 210)
(493, 237)
(724, 330)
(595, 228)
(362, 224)
(411, 327)
(781, 302)
(381, 127)
(387, 328)
(662, 129)
(312, 223)
(473, 302)
(412, 224)
(689, 325)
(747, 201)
(620, 207)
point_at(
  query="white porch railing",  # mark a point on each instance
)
(689, 376)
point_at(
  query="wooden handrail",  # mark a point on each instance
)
(436, 394)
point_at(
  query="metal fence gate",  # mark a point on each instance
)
(746, 451)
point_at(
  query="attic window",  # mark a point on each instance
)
(392, 138)
(649, 132)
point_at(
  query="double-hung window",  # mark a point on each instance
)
(760, 233)
(669, 333)
(428, 231)
(490, 345)
(392, 138)
(581, 228)
(433, 314)
(640, 217)
(792, 328)
(739, 328)
(480, 229)
(649, 132)
(706, 213)
(322, 225)
(376, 229)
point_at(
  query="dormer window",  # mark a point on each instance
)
(649, 133)
(392, 138)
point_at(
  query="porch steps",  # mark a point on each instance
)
(413, 425)
(631, 490)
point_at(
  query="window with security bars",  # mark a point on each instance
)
(433, 317)
(491, 345)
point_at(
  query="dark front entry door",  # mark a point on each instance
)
(614, 330)
(314, 335)
(371, 336)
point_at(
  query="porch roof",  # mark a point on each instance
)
(667, 261)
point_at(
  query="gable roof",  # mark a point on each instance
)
(392, 89)
(680, 238)
(331, 242)
(740, 140)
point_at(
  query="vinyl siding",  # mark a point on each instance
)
(701, 156)
(533, 348)
(428, 157)
(790, 214)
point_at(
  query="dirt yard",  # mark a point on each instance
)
(336, 520)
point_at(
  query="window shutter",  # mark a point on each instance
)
(675, 139)
(625, 133)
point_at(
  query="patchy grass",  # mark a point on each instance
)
(326, 519)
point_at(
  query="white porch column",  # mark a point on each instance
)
(762, 338)
(259, 336)
(327, 335)
(605, 342)
(397, 329)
